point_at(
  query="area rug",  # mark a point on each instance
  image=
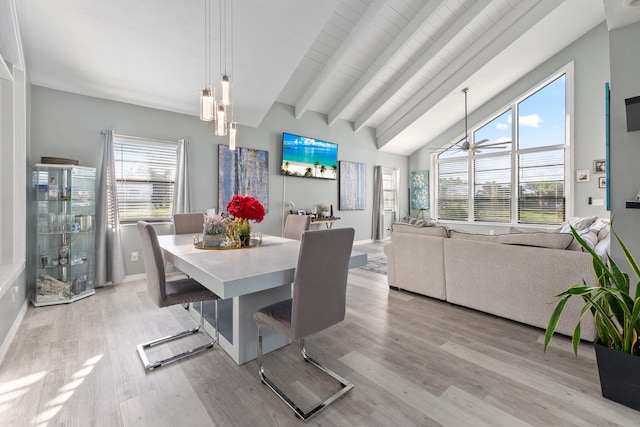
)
(376, 264)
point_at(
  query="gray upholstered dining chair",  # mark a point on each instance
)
(165, 293)
(188, 223)
(295, 225)
(319, 301)
(184, 223)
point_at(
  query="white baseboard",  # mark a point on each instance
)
(129, 278)
(362, 242)
(13, 331)
(365, 241)
(134, 277)
(142, 276)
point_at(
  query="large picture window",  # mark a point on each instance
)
(516, 173)
(145, 177)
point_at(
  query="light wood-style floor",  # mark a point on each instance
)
(415, 362)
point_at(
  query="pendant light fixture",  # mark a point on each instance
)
(212, 109)
(220, 128)
(233, 127)
(226, 88)
(206, 105)
(223, 126)
(207, 97)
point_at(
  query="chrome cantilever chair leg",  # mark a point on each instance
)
(141, 347)
(346, 386)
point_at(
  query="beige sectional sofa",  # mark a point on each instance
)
(515, 276)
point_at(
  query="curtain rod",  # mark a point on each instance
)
(104, 132)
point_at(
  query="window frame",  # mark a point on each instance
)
(390, 175)
(514, 152)
(161, 145)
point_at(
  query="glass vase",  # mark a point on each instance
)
(213, 240)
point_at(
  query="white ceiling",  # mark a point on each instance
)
(395, 65)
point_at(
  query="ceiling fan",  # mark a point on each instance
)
(465, 145)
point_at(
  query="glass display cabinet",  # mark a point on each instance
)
(63, 252)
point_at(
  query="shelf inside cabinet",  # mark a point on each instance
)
(44, 300)
(52, 266)
(60, 233)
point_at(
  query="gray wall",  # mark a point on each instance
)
(14, 130)
(68, 125)
(590, 54)
(625, 146)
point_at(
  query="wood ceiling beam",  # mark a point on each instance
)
(389, 54)
(421, 63)
(338, 57)
(517, 22)
(10, 37)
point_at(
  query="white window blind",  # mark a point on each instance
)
(389, 189)
(145, 176)
(453, 190)
(541, 175)
(492, 189)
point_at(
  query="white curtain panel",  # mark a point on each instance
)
(377, 223)
(109, 255)
(182, 189)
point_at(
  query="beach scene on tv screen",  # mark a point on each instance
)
(309, 157)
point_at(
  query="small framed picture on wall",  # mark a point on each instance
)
(599, 166)
(602, 182)
(582, 175)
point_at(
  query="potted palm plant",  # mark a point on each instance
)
(615, 307)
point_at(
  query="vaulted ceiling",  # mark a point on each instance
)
(395, 65)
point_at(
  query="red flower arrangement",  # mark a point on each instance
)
(245, 207)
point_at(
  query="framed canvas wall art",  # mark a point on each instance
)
(352, 185)
(243, 171)
(419, 189)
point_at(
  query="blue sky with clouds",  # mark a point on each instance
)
(541, 119)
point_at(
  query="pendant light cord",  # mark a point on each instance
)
(231, 32)
(207, 43)
(223, 35)
(231, 54)
(220, 38)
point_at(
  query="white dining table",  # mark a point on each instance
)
(246, 280)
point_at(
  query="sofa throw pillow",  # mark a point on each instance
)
(415, 223)
(602, 248)
(589, 236)
(515, 230)
(457, 234)
(437, 231)
(540, 240)
(601, 227)
(579, 223)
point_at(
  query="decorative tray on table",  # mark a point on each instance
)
(201, 245)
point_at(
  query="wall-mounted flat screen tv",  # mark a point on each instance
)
(308, 157)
